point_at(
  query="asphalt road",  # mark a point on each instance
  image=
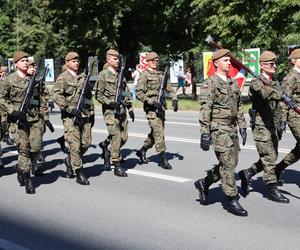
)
(152, 208)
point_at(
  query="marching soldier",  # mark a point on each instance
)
(147, 92)
(265, 119)
(66, 92)
(291, 85)
(12, 93)
(220, 113)
(3, 115)
(117, 125)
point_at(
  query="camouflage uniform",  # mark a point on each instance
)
(117, 127)
(291, 84)
(266, 101)
(220, 113)
(147, 92)
(66, 93)
(11, 95)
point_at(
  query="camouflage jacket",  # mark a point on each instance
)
(12, 93)
(66, 93)
(266, 100)
(291, 86)
(221, 104)
(105, 90)
(148, 86)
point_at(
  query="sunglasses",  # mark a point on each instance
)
(271, 64)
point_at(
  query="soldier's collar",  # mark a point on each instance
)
(21, 74)
(72, 72)
(266, 76)
(112, 70)
(151, 70)
(223, 77)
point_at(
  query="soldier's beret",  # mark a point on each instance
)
(112, 52)
(267, 56)
(151, 56)
(220, 53)
(295, 54)
(31, 62)
(3, 69)
(71, 56)
(19, 55)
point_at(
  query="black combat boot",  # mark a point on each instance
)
(20, 176)
(235, 207)
(118, 170)
(104, 146)
(70, 172)
(142, 155)
(202, 185)
(35, 170)
(275, 195)
(164, 162)
(28, 184)
(80, 177)
(278, 170)
(40, 157)
(245, 176)
(1, 164)
(107, 165)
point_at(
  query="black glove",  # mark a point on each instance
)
(205, 141)
(131, 114)
(76, 113)
(243, 133)
(112, 105)
(281, 129)
(288, 101)
(50, 126)
(175, 105)
(19, 115)
(156, 105)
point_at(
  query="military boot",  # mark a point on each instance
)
(61, 142)
(28, 184)
(1, 164)
(80, 177)
(107, 165)
(245, 176)
(235, 207)
(142, 155)
(164, 162)
(35, 170)
(278, 170)
(70, 172)
(118, 171)
(20, 176)
(202, 185)
(104, 146)
(40, 157)
(275, 195)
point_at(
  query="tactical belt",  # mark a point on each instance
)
(229, 121)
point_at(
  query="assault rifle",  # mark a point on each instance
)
(85, 94)
(120, 86)
(211, 41)
(162, 92)
(28, 95)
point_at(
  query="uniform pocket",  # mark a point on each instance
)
(221, 140)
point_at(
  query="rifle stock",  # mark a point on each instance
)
(210, 40)
(119, 87)
(161, 93)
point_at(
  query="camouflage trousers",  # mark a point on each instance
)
(266, 143)
(21, 138)
(79, 140)
(117, 133)
(294, 155)
(37, 130)
(157, 134)
(226, 145)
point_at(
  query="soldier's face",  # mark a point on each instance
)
(223, 64)
(73, 64)
(31, 70)
(22, 64)
(113, 61)
(268, 67)
(153, 64)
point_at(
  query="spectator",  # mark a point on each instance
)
(136, 75)
(181, 80)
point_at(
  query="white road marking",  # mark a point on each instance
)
(158, 176)
(8, 245)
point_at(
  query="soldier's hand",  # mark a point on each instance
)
(205, 141)
(281, 129)
(288, 101)
(112, 105)
(243, 133)
(76, 113)
(19, 115)
(175, 105)
(131, 114)
(49, 125)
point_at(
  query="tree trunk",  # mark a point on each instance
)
(193, 74)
